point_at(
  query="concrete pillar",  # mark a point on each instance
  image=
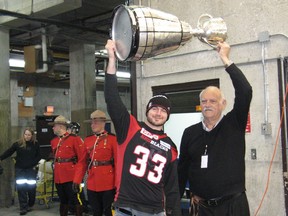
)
(82, 84)
(7, 178)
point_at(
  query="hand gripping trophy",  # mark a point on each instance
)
(142, 32)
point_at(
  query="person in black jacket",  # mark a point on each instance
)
(27, 157)
(212, 152)
(146, 169)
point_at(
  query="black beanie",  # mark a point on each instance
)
(159, 100)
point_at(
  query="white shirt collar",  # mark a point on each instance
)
(206, 128)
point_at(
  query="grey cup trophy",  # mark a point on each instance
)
(210, 30)
(142, 32)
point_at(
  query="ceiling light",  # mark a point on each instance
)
(122, 74)
(101, 52)
(17, 63)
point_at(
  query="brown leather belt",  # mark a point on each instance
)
(102, 163)
(65, 160)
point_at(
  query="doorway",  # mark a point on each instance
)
(185, 105)
(283, 87)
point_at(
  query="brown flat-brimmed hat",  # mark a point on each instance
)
(97, 115)
(60, 120)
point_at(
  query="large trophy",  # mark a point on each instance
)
(142, 32)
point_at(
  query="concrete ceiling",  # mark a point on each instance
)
(65, 22)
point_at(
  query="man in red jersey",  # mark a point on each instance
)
(146, 180)
(102, 148)
(69, 165)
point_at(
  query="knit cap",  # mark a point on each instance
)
(161, 101)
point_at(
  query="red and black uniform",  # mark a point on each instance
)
(69, 165)
(146, 164)
(102, 152)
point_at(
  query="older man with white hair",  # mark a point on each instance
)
(212, 152)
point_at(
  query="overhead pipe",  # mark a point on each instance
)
(51, 21)
(44, 52)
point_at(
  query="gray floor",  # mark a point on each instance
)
(51, 208)
(38, 210)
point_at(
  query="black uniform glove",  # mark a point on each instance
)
(75, 187)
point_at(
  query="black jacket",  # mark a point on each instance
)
(26, 157)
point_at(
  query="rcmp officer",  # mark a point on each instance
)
(69, 165)
(101, 148)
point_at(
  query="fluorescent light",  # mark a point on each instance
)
(16, 63)
(21, 63)
(122, 74)
(101, 52)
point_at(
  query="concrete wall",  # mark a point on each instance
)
(247, 21)
(59, 98)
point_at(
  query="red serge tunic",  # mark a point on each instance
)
(67, 147)
(102, 149)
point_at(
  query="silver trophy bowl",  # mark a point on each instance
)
(142, 32)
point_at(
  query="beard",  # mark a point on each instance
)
(159, 122)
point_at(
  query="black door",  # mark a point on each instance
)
(44, 134)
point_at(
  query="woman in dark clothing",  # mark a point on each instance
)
(27, 157)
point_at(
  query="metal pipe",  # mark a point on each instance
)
(50, 21)
(205, 69)
(265, 83)
(206, 50)
(44, 53)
